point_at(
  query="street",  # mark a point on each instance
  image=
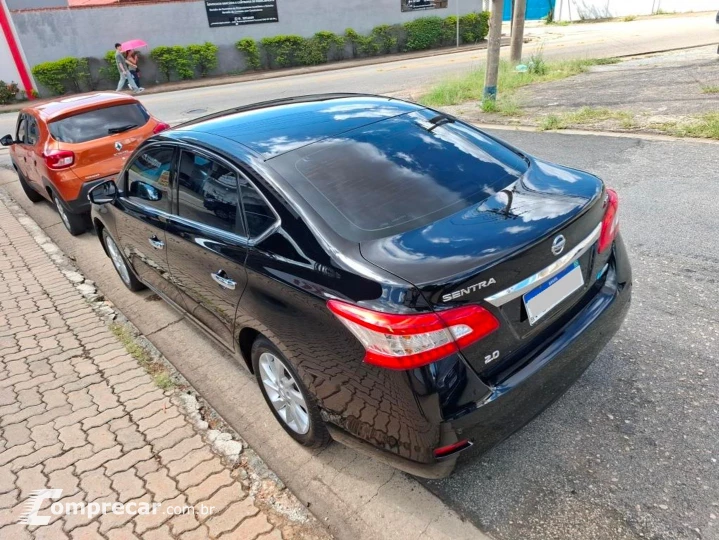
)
(629, 452)
(406, 78)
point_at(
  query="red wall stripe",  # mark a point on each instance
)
(15, 51)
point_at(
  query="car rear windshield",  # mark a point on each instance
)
(98, 123)
(399, 174)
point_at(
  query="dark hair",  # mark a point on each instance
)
(118, 45)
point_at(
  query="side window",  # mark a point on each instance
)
(148, 177)
(21, 129)
(33, 133)
(258, 215)
(208, 193)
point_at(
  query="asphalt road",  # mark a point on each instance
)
(629, 452)
(407, 78)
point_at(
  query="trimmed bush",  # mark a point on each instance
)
(203, 57)
(424, 33)
(319, 48)
(173, 60)
(8, 92)
(62, 75)
(283, 50)
(249, 47)
(361, 45)
(473, 27)
(385, 37)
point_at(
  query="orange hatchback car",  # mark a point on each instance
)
(63, 148)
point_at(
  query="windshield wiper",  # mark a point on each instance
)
(439, 120)
(120, 129)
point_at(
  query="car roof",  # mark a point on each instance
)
(277, 127)
(70, 105)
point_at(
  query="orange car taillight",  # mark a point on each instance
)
(610, 222)
(160, 127)
(59, 159)
(406, 341)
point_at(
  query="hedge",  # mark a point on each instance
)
(199, 60)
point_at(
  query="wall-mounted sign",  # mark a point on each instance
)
(415, 5)
(238, 12)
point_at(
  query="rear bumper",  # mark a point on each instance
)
(545, 377)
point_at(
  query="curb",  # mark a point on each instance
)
(266, 490)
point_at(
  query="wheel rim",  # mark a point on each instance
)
(62, 213)
(284, 393)
(117, 260)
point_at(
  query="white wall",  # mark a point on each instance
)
(573, 10)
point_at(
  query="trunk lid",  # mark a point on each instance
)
(489, 247)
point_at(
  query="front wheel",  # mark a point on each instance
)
(74, 223)
(286, 395)
(127, 275)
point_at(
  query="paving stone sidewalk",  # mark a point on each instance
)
(78, 414)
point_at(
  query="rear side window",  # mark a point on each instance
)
(399, 174)
(208, 193)
(98, 123)
(21, 129)
(148, 177)
(33, 133)
(258, 214)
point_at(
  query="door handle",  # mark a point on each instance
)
(223, 281)
(156, 242)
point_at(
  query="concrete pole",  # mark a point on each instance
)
(493, 44)
(457, 14)
(520, 12)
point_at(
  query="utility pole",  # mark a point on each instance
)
(520, 12)
(493, 44)
(457, 15)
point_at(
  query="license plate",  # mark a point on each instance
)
(548, 295)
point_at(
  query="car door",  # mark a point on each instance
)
(20, 149)
(144, 208)
(33, 145)
(207, 244)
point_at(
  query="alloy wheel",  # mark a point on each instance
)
(117, 260)
(63, 214)
(284, 393)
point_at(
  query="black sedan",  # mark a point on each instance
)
(395, 279)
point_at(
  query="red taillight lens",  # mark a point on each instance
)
(59, 159)
(610, 222)
(161, 126)
(408, 341)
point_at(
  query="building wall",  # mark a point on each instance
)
(90, 32)
(14, 5)
(572, 10)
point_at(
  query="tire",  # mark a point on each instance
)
(76, 224)
(33, 195)
(308, 429)
(122, 267)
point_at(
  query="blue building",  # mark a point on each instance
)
(536, 9)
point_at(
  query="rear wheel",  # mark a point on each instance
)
(127, 275)
(75, 223)
(31, 194)
(286, 395)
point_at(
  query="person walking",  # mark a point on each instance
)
(124, 70)
(133, 59)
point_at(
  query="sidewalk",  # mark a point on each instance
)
(81, 418)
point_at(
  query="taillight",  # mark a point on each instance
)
(406, 341)
(610, 222)
(59, 159)
(161, 126)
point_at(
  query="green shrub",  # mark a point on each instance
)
(473, 27)
(8, 92)
(317, 49)
(171, 60)
(108, 71)
(385, 37)
(249, 47)
(283, 50)
(60, 75)
(424, 33)
(203, 57)
(361, 45)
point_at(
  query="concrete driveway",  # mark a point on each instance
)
(629, 452)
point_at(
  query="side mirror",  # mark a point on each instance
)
(145, 191)
(103, 193)
(7, 140)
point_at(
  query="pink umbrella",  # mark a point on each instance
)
(133, 44)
